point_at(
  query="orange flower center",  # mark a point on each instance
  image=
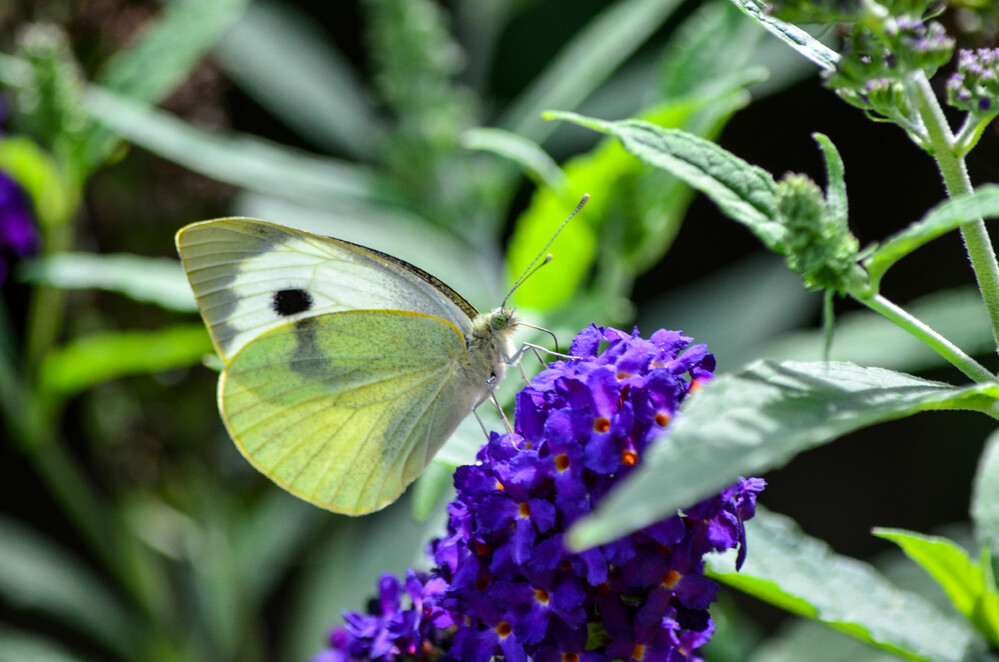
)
(638, 652)
(671, 578)
(525, 510)
(503, 629)
(570, 657)
(601, 425)
(541, 596)
(662, 419)
(629, 458)
(562, 462)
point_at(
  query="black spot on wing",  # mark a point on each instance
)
(289, 302)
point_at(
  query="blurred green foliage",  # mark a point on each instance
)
(149, 537)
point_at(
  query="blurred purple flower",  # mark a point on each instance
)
(507, 587)
(18, 238)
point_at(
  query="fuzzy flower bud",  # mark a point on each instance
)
(819, 247)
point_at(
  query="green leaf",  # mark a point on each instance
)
(947, 216)
(705, 48)
(813, 641)
(985, 496)
(36, 575)
(237, 159)
(585, 62)
(162, 56)
(756, 420)
(526, 153)
(970, 590)
(792, 35)
(634, 212)
(744, 192)
(866, 338)
(165, 52)
(20, 646)
(803, 575)
(39, 175)
(100, 357)
(836, 186)
(157, 280)
(288, 65)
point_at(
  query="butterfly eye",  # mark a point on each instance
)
(498, 320)
(290, 302)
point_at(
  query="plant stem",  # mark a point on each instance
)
(954, 354)
(977, 243)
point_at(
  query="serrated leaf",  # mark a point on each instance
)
(284, 61)
(97, 358)
(969, 588)
(585, 62)
(791, 570)
(946, 216)
(756, 420)
(744, 192)
(985, 496)
(37, 575)
(238, 159)
(792, 35)
(157, 280)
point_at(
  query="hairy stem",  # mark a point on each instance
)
(941, 145)
(954, 354)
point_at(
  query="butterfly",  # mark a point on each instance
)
(346, 369)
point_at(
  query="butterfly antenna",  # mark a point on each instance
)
(534, 266)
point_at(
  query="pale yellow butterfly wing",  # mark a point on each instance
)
(249, 276)
(346, 409)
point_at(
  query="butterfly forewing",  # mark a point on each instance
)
(250, 276)
(346, 409)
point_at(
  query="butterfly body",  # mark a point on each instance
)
(346, 368)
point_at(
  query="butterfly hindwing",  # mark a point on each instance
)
(250, 276)
(346, 409)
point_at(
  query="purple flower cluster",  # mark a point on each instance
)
(974, 87)
(505, 586)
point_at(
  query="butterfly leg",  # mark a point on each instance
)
(506, 421)
(536, 348)
(481, 424)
